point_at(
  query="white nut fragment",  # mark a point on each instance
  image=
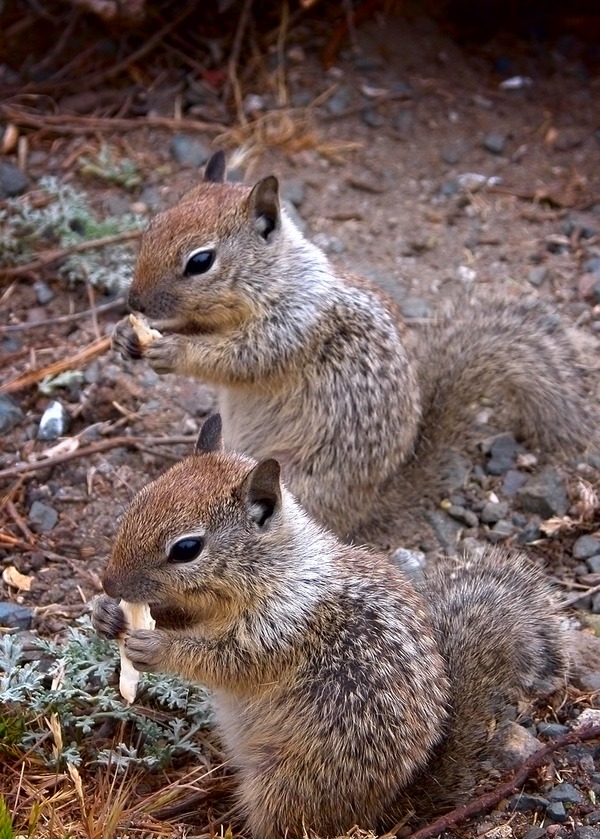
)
(145, 333)
(137, 616)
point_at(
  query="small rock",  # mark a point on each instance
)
(404, 122)
(502, 451)
(586, 833)
(189, 151)
(151, 197)
(14, 616)
(493, 511)
(411, 563)
(544, 494)
(10, 413)
(452, 154)
(339, 102)
(446, 530)
(516, 744)
(54, 423)
(593, 266)
(534, 833)
(43, 292)
(593, 563)
(594, 818)
(552, 730)
(293, 191)
(580, 224)
(537, 275)
(586, 547)
(588, 286)
(494, 142)
(372, 118)
(513, 481)
(42, 517)
(13, 182)
(415, 307)
(500, 531)
(467, 517)
(525, 803)
(556, 812)
(566, 793)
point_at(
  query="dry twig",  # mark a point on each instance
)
(485, 802)
(56, 254)
(86, 355)
(104, 307)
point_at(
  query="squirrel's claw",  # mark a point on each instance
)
(125, 341)
(145, 648)
(107, 618)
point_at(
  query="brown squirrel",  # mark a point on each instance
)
(344, 693)
(315, 367)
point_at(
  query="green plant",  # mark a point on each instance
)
(6, 828)
(107, 167)
(88, 720)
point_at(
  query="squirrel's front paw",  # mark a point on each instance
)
(107, 618)
(125, 341)
(165, 354)
(147, 649)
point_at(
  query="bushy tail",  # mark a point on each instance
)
(517, 353)
(500, 635)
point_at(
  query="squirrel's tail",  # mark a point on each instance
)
(502, 639)
(517, 353)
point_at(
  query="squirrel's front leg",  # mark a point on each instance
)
(168, 354)
(150, 650)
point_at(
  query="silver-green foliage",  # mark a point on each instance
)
(66, 220)
(79, 688)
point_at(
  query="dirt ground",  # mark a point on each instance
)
(416, 167)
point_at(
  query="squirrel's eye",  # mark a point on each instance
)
(185, 550)
(199, 263)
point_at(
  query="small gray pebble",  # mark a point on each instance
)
(530, 533)
(151, 197)
(493, 511)
(467, 517)
(502, 450)
(415, 307)
(340, 100)
(534, 833)
(451, 154)
(54, 423)
(42, 517)
(43, 292)
(189, 151)
(404, 122)
(501, 530)
(293, 191)
(494, 142)
(586, 833)
(13, 182)
(593, 563)
(411, 563)
(544, 494)
(372, 118)
(450, 188)
(525, 803)
(366, 63)
(592, 266)
(10, 413)
(595, 605)
(593, 818)
(513, 481)
(552, 730)
(556, 812)
(537, 275)
(566, 793)
(14, 616)
(586, 547)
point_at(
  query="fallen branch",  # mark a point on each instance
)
(24, 327)
(86, 355)
(484, 803)
(77, 125)
(94, 448)
(56, 254)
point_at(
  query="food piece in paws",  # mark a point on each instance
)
(137, 616)
(145, 333)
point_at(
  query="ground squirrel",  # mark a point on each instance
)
(316, 368)
(343, 692)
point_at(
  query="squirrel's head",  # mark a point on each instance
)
(190, 539)
(197, 261)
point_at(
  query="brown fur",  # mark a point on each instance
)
(314, 366)
(342, 690)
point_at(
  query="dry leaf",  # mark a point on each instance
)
(13, 577)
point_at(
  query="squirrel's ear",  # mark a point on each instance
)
(264, 207)
(210, 438)
(215, 168)
(262, 490)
